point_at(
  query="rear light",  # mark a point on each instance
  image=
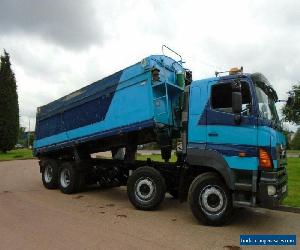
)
(265, 159)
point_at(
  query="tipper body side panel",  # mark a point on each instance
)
(126, 101)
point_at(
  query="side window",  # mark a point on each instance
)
(221, 98)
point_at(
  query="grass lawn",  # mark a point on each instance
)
(293, 169)
(16, 154)
(154, 158)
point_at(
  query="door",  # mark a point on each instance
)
(237, 142)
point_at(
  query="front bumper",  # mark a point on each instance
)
(277, 179)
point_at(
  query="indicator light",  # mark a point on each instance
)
(264, 159)
(242, 154)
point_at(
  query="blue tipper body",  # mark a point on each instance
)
(125, 101)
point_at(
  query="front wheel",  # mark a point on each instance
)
(210, 200)
(146, 188)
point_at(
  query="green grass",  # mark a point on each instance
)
(154, 158)
(17, 154)
(293, 169)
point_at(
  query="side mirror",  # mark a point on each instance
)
(237, 102)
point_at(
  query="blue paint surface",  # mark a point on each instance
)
(56, 142)
(126, 99)
(245, 163)
(218, 131)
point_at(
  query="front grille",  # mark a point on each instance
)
(281, 156)
(282, 177)
(281, 171)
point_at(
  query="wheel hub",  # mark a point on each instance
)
(48, 173)
(65, 178)
(212, 200)
(144, 189)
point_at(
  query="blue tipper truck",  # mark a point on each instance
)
(232, 147)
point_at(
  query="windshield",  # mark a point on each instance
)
(266, 104)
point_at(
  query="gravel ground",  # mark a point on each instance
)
(32, 217)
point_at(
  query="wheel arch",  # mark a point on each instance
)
(202, 160)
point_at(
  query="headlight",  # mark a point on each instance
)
(271, 190)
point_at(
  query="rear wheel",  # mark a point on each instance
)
(146, 188)
(210, 200)
(70, 179)
(50, 174)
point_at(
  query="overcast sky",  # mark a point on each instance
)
(58, 46)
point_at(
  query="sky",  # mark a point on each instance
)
(59, 46)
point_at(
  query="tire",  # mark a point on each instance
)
(210, 200)
(146, 188)
(70, 179)
(50, 174)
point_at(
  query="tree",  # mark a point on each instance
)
(31, 139)
(22, 136)
(295, 144)
(288, 136)
(291, 111)
(9, 106)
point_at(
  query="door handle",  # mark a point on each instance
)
(213, 134)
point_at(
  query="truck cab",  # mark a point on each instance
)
(234, 130)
